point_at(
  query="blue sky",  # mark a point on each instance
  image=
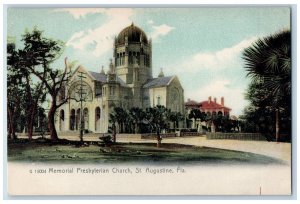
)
(202, 46)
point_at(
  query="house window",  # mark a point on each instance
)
(158, 101)
(112, 90)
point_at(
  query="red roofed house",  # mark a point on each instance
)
(209, 107)
(214, 107)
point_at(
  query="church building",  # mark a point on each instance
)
(127, 83)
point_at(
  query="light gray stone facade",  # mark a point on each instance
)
(128, 83)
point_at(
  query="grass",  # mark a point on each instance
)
(65, 151)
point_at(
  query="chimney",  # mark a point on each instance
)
(222, 101)
(215, 100)
(209, 99)
(189, 99)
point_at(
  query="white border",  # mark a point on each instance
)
(158, 3)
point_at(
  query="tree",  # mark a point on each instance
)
(39, 53)
(268, 63)
(121, 115)
(197, 114)
(219, 120)
(175, 117)
(112, 121)
(21, 86)
(15, 90)
(157, 118)
(194, 114)
(137, 114)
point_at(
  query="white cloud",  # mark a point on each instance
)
(216, 82)
(103, 36)
(221, 59)
(233, 97)
(80, 12)
(161, 30)
(150, 22)
(75, 37)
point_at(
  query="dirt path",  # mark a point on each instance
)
(277, 150)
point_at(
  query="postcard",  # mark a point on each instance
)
(149, 101)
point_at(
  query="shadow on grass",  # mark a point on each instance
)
(65, 151)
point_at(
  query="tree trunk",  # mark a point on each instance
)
(30, 109)
(158, 137)
(114, 133)
(30, 122)
(51, 123)
(121, 127)
(30, 129)
(9, 130)
(135, 128)
(11, 125)
(277, 126)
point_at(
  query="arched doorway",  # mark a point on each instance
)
(72, 120)
(85, 119)
(61, 120)
(97, 119)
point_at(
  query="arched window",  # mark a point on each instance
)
(78, 114)
(76, 88)
(85, 119)
(123, 58)
(62, 115)
(72, 120)
(61, 120)
(130, 58)
(158, 101)
(97, 113)
(97, 118)
(214, 113)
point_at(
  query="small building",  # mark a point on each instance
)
(210, 107)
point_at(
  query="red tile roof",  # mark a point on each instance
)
(212, 105)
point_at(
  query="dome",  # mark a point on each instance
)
(133, 33)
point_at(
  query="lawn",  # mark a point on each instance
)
(70, 152)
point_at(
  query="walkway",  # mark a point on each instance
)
(277, 150)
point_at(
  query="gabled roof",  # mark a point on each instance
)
(103, 78)
(98, 76)
(159, 82)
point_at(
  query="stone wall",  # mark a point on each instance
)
(235, 136)
(153, 135)
(184, 134)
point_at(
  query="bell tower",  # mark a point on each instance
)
(132, 56)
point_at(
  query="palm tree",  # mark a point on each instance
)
(268, 61)
(175, 117)
(194, 114)
(137, 115)
(112, 121)
(157, 118)
(121, 116)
